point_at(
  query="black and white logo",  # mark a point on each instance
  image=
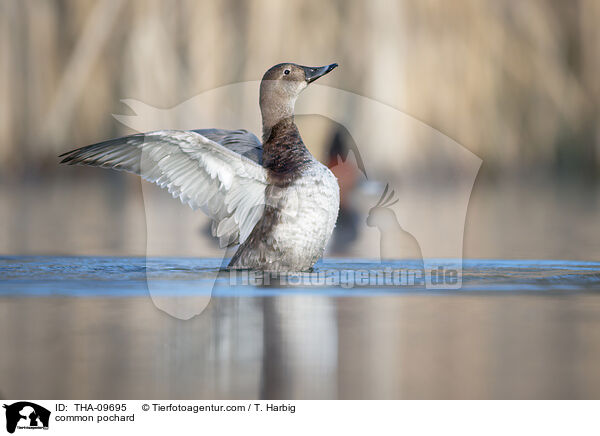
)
(26, 415)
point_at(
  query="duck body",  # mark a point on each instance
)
(292, 235)
(273, 198)
(301, 207)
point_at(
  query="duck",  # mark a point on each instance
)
(271, 198)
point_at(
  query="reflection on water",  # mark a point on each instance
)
(85, 328)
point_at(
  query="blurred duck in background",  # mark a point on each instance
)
(348, 175)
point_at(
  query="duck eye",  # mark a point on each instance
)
(286, 72)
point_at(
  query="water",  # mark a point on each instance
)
(127, 277)
(85, 327)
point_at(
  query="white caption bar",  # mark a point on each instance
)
(21, 417)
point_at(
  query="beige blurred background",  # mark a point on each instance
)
(516, 83)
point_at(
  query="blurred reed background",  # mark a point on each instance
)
(516, 83)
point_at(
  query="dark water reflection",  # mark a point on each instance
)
(525, 339)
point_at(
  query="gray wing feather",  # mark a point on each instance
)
(227, 186)
(241, 141)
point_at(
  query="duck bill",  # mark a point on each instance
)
(313, 73)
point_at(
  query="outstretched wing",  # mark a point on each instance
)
(227, 186)
(241, 141)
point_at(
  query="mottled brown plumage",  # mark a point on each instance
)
(284, 153)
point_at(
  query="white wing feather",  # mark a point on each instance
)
(225, 185)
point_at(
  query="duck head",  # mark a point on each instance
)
(280, 87)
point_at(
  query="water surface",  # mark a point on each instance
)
(122, 276)
(86, 328)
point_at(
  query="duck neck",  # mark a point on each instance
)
(273, 112)
(284, 152)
